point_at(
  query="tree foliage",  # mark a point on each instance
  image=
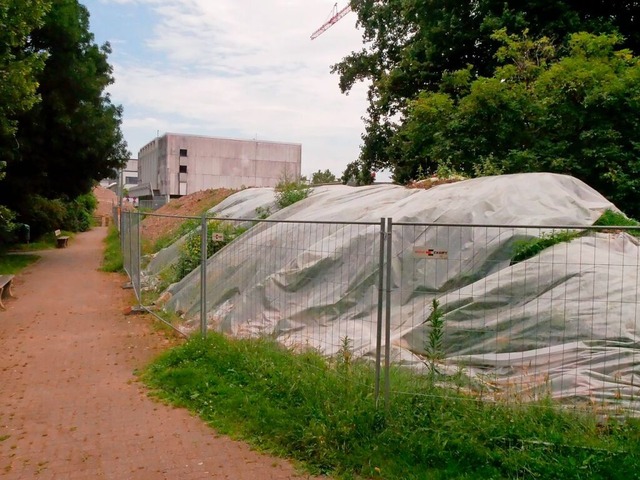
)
(413, 46)
(19, 60)
(320, 177)
(71, 137)
(576, 113)
(19, 66)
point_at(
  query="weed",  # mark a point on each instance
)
(434, 348)
(290, 190)
(616, 219)
(525, 249)
(191, 251)
(345, 355)
(263, 212)
(184, 228)
(112, 261)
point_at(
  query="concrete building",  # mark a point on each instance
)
(174, 164)
(129, 177)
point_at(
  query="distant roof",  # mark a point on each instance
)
(168, 134)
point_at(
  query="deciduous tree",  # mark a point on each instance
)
(71, 137)
(323, 177)
(411, 44)
(577, 113)
(20, 64)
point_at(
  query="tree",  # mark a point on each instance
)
(411, 44)
(357, 174)
(72, 137)
(323, 177)
(19, 66)
(576, 113)
(19, 61)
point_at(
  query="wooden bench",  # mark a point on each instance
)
(62, 240)
(5, 288)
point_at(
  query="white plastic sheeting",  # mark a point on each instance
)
(562, 323)
(242, 205)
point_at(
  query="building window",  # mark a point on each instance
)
(183, 152)
(183, 169)
(130, 180)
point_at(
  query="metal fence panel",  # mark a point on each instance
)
(561, 324)
(130, 241)
(309, 285)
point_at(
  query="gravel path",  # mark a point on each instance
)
(70, 406)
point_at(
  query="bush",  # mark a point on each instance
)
(190, 252)
(79, 215)
(45, 215)
(290, 190)
(7, 226)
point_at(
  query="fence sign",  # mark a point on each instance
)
(431, 253)
(217, 237)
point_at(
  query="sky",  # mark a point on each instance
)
(243, 69)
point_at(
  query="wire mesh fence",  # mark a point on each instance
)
(130, 243)
(503, 313)
(522, 314)
(153, 204)
(310, 285)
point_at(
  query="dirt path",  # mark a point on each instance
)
(70, 406)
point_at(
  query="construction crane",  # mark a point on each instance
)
(334, 17)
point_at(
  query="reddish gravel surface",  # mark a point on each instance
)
(70, 405)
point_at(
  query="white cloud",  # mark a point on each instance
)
(243, 67)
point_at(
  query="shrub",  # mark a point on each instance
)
(290, 190)
(7, 226)
(79, 213)
(190, 252)
(45, 215)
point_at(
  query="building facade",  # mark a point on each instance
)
(129, 177)
(174, 164)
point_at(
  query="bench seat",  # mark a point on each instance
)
(62, 240)
(5, 288)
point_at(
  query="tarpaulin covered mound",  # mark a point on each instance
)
(562, 322)
(246, 204)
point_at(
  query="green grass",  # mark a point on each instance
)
(12, 263)
(112, 261)
(45, 242)
(610, 218)
(526, 249)
(323, 414)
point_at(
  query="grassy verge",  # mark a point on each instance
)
(112, 261)
(45, 242)
(12, 264)
(323, 414)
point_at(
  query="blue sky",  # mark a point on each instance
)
(234, 68)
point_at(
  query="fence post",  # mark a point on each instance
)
(137, 266)
(387, 331)
(380, 305)
(203, 275)
(129, 241)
